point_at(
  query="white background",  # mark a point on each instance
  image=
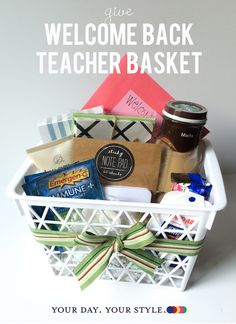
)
(26, 97)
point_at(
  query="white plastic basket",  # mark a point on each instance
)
(111, 218)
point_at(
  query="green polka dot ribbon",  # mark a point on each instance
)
(136, 243)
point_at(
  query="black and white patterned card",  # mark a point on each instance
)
(93, 126)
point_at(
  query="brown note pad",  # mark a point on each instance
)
(121, 163)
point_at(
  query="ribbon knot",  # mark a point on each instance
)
(118, 244)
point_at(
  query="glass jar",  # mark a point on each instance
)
(182, 125)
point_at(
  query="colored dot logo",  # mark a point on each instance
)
(176, 309)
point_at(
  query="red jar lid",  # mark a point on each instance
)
(185, 112)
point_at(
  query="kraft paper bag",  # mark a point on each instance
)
(121, 163)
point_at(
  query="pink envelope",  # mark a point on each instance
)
(131, 95)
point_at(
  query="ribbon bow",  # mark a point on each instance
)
(130, 244)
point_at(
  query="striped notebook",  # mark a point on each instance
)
(54, 128)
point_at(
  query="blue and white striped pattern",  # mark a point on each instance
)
(54, 128)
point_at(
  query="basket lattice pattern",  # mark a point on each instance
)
(113, 222)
